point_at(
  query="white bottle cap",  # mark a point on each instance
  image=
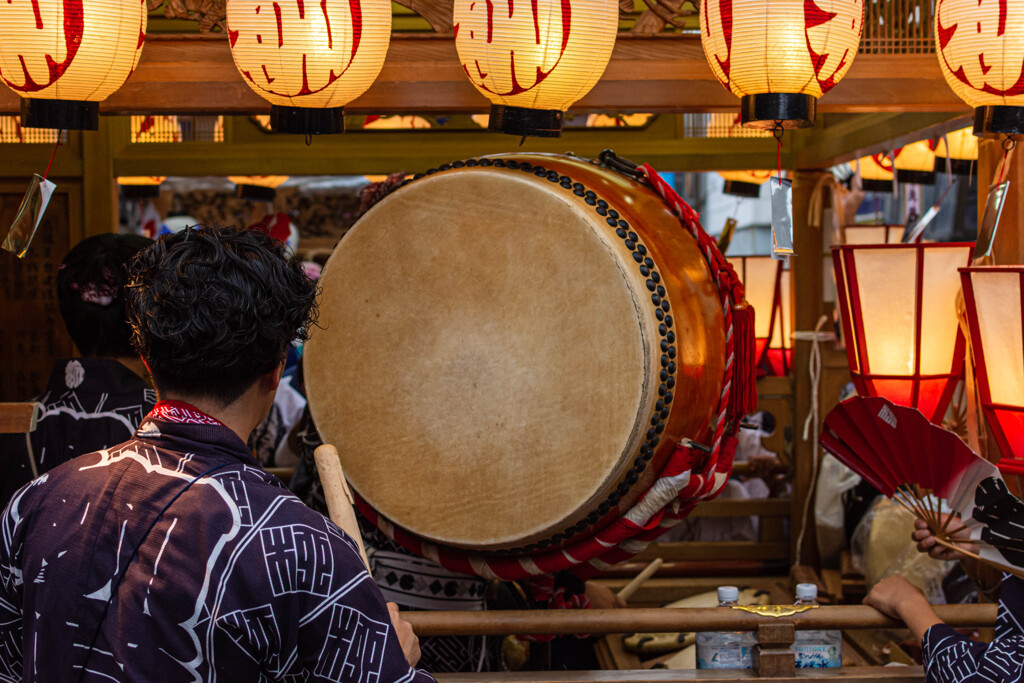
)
(806, 591)
(728, 594)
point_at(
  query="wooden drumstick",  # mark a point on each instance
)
(338, 496)
(627, 591)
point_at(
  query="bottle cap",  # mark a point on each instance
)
(806, 591)
(728, 594)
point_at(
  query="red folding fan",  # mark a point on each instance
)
(916, 463)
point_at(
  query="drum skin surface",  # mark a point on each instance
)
(490, 359)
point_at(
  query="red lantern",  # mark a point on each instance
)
(903, 339)
(995, 316)
(767, 289)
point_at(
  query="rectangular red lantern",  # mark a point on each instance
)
(995, 315)
(897, 302)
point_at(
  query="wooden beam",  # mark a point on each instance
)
(746, 507)
(253, 152)
(715, 550)
(194, 74)
(858, 136)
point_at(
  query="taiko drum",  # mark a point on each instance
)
(510, 346)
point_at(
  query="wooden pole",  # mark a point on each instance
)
(1008, 246)
(667, 620)
(807, 308)
(337, 494)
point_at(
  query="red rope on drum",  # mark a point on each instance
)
(687, 478)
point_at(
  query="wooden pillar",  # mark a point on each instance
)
(99, 189)
(807, 308)
(1008, 248)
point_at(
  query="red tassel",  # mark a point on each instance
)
(743, 395)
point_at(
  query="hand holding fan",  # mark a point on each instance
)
(914, 462)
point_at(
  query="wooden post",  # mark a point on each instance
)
(1008, 248)
(100, 191)
(807, 308)
(773, 657)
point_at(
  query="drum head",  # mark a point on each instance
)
(483, 361)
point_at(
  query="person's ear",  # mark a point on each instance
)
(273, 378)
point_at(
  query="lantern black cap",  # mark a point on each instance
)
(60, 114)
(307, 120)
(137, 192)
(766, 110)
(255, 193)
(915, 177)
(738, 188)
(876, 185)
(957, 166)
(520, 121)
(997, 120)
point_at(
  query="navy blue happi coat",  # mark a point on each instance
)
(237, 580)
(950, 657)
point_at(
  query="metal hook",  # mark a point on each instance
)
(309, 139)
(1009, 143)
(778, 130)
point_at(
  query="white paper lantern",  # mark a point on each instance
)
(533, 60)
(309, 59)
(915, 163)
(780, 56)
(980, 46)
(960, 147)
(64, 57)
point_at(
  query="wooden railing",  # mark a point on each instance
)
(505, 622)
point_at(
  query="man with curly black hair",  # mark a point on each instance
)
(173, 556)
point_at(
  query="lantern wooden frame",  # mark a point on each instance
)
(1005, 420)
(931, 392)
(893, 233)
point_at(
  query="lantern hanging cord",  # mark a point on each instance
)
(309, 139)
(53, 154)
(777, 132)
(1008, 146)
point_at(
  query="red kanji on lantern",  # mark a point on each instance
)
(308, 59)
(779, 56)
(62, 57)
(533, 60)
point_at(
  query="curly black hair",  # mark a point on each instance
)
(90, 290)
(214, 309)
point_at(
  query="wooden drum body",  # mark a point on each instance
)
(509, 348)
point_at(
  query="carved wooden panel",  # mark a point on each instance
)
(32, 334)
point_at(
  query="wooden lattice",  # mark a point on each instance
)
(898, 27)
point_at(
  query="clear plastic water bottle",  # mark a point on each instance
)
(729, 649)
(816, 649)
